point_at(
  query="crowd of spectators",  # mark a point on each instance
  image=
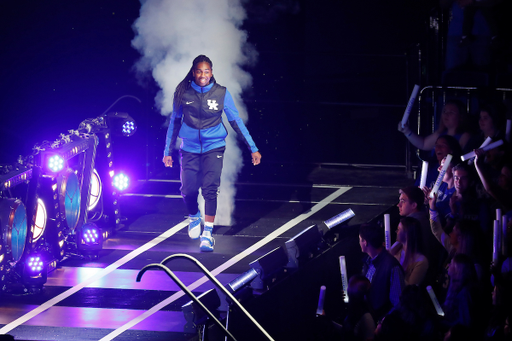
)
(445, 241)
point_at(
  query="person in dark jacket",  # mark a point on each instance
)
(197, 119)
(382, 269)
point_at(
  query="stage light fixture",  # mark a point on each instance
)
(239, 288)
(56, 157)
(55, 163)
(242, 280)
(327, 228)
(95, 191)
(303, 246)
(90, 237)
(13, 221)
(340, 218)
(35, 264)
(120, 181)
(121, 123)
(129, 127)
(39, 221)
(35, 271)
(268, 267)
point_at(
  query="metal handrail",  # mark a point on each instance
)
(183, 287)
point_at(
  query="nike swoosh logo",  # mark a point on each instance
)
(219, 156)
(189, 102)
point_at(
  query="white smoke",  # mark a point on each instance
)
(170, 34)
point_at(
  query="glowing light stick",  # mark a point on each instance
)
(321, 299)
(441, 175)
(486, 142)
(498, 215)
(490, 146)
(344, 278)
(504, 223)
(496, 241)
(433, 297)
(410, 104)
(387, 231)
(424, 172)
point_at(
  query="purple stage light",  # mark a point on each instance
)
(55, 163)
(90, 235)
(129, 128)
(35, 264)
(90, 238)
(120, 181)
(35, 271)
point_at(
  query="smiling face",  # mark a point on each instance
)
(461, 180)
(202, 74)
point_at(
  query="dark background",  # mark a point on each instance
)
(331, 82)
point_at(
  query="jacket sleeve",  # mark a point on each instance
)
(172, 132)
(236, 122)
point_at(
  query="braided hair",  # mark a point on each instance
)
(185, 83)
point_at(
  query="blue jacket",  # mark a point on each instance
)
(197, 140)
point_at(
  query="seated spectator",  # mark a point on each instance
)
(407, 251)
(463, 238)
(465, 203)
(501, 306)
(464, 300)
(411, 204)
(413, 319)
(382, 269)
(359, 323)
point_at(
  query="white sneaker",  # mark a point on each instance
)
(207, 242)
(194, 226)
